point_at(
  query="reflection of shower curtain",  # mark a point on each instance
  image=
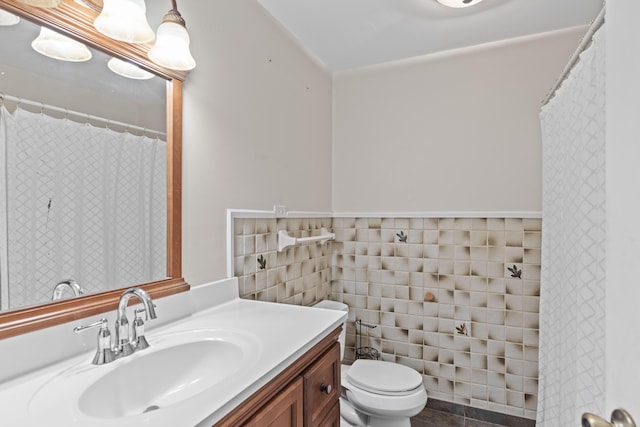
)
(4, 277)
(85, 203)
(572, 307)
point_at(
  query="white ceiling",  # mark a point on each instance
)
(346, 34)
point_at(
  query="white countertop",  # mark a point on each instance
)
(284, 333)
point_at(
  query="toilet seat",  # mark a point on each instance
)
(383, 378)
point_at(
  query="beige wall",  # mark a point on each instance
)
(265, 124)
(457, 131)
(257, 127)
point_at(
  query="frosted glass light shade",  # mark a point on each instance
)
(128, 70)
(171, 49)
(56, 46)
(7, 18)
(42, 3)
(459, 3)
(124, 20)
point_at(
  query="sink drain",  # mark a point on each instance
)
(151, 408)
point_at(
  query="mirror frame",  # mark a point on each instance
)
(76, 21)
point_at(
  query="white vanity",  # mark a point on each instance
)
(213, 359)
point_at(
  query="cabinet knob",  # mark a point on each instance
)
(326, 388)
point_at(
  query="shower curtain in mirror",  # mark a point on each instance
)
(81, 202)
(572, 307)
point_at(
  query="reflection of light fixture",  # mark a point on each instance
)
(126, 69)
(7, 18)
(124, 20)
(57, 46)
(459, 3)
(42, 3)
(171, 49)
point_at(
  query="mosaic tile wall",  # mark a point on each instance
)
(454, 298)
(298, 275)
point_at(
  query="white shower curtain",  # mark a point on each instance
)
(82, 202)
(572, 307)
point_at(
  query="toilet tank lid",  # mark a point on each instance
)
(332, 305)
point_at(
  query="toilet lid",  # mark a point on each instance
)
(378, 376)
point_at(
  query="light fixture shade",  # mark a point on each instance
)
(42, 3)
(128, 70)
(56, 46)
(171, 49)
(124, 20)
(459, 3)
(7, 18)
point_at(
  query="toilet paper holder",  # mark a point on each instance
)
(364, 352)
(619, 418)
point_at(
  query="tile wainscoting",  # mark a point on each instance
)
(298, 275)
(457, 299)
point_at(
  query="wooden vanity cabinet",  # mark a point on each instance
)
(322, 388)
(305, 394)
(284, 410)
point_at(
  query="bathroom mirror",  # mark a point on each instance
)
(75, 20)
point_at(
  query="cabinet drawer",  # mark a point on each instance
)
(322, 387)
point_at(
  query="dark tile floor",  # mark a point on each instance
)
(446, 414)
(435, 418)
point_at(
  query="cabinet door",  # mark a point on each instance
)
(322, 387)
(332, 418)
(284, 410)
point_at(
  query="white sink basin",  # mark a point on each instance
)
(176, 367)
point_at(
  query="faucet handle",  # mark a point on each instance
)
(138, 330)
(104, 353)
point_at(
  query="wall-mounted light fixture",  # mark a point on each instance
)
(171, 49)
(7, 18)
(459, 3)
(124, 20)
(57, 46)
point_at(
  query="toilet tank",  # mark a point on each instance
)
(335, 305)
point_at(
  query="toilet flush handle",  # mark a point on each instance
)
(326, 388)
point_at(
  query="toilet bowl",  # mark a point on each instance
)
(376, 393)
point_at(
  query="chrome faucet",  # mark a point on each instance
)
(68, 283)
(124, 347)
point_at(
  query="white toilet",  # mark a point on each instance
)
(377, 393)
